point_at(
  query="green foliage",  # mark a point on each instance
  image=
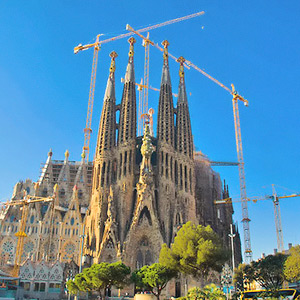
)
(211, 292)
(196, 251)
(72, 287)
(268, 272)
(292, 265)
(153, 278)
(99, 277)
(242, 274)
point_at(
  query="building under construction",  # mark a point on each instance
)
(132, 198)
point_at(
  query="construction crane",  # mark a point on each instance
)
(202, 157)
(97, 47)
(21, 234)
(238, 136)
(277, 215)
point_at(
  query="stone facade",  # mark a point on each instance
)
(145, 188)
(133, 197)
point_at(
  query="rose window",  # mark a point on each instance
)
(8, 246)
(70, 248)
(28, 247)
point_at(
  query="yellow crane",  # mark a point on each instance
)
(238, 136)
(277, 215)
(97, 47)
(202, 157)
(21, 234)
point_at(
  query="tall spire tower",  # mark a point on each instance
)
(165, 125)
(127, 145)
(166, 149)
(184, 173)
(103, 165)
(184, 139)
(127, 124)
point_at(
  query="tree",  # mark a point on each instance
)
(72, 287)
(292, 265)
(196, 250)
(153, 278)
(243, 274)
(211, 292)
(268, 272)
(99, 277)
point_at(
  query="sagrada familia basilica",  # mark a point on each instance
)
(132, 198)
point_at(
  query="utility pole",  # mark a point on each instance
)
(232, 235)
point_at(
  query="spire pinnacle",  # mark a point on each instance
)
(165, 43)
(110, 86)
(50, 152)
(165, 79)
(131, 41)
(67, 154)
(129, 76)
(181, 60)
(113, 56)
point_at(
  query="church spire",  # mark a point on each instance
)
(165, 126)
(107, 130)
(127, 124)
(184, 139)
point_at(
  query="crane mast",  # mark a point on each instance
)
(21, 234)
(239, 150)
(277, 214)
(146, 83)
(88, 125)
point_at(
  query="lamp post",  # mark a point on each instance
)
(232, 235)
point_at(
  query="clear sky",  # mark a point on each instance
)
(254, 44)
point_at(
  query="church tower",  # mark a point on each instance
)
(184, 165)
(103, 166)
(166, 150)
(127, 147)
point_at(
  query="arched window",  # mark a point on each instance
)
(139, 260)
(178, 219)
(103, 174)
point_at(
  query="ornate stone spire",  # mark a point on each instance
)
(67, 154)
(165, 78)
(184, 139)
(181, 91)
(129, 76)
(107, 127)
(165, 125)
(127, 124)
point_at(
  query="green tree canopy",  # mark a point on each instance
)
(99, 277)
(153, 278)
(292, 265)
(242, 273)
(268, 272)
(211, 292)
(196, 250)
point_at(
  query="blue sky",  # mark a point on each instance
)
(255, 45)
